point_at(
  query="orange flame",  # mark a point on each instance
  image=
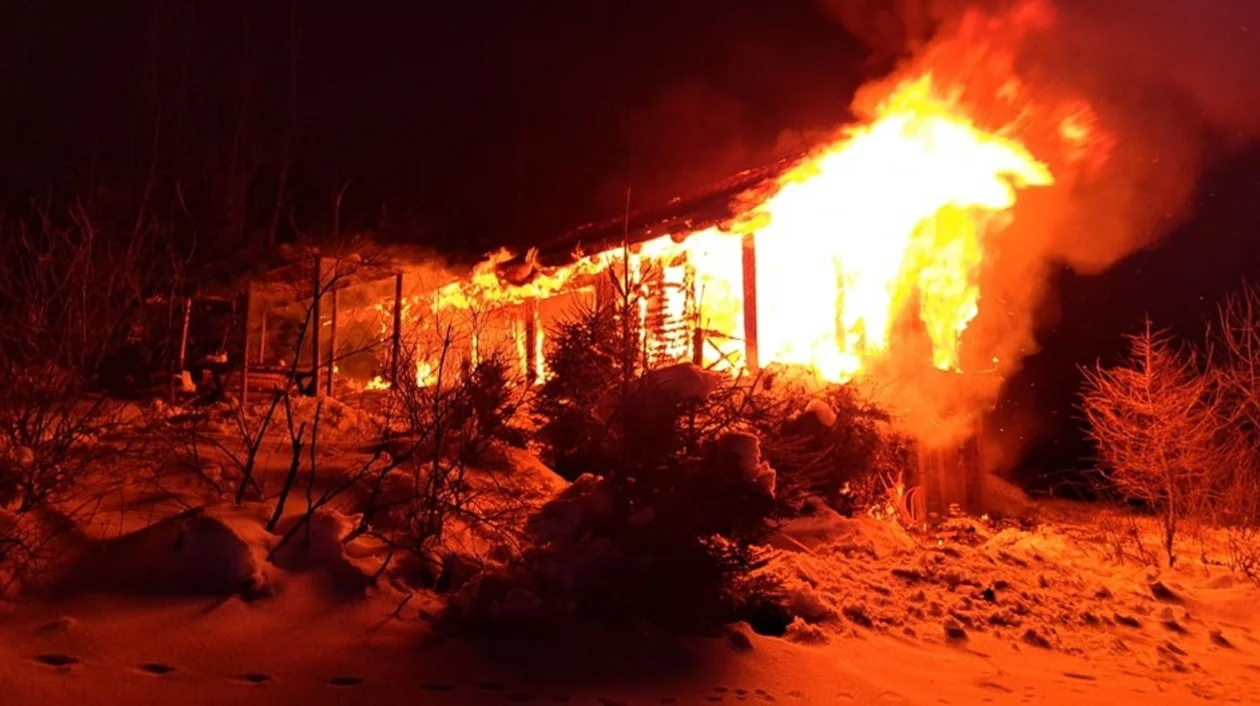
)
(886, 225)
(895, 212)
(873, 245)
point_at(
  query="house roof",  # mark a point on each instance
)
(700, 210)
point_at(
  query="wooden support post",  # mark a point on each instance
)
(751, 359)
(531, 341)
(396, 354)
(262, 338)
(183, 336)
(332, 342)
(249, 300)
(973, 470)
(932, 479)
(315, 327)
(176, 383)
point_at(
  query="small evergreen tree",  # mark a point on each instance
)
(590, 357)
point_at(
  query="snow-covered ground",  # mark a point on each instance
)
(303, 647)
(972, 612)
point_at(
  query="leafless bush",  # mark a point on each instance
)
(1234, 349)
(426, 481)
(65, 303)
(71, 287)
(1123, 538)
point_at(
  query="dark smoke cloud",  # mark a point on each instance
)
(692, 134)
(1207, 50)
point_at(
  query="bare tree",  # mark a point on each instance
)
(1234, 345)
(1159, 424)
(1234, 349)
(71, 290)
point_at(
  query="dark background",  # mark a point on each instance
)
(483, 122)
(463, 126)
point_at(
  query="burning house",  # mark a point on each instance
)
(870, 258)
(861, 260)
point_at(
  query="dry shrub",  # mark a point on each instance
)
(1122, 536)
(1234, 351)
(70, 290)
(426, 489)
(835, 445)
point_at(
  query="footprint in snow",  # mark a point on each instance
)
(254, 677)
(56, 660)
(60, 625)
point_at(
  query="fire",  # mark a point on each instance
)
(895, 213)
(878, 237)
(872, 249)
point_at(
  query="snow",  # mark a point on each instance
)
(193, 553)
(665, 388)
(159, 603)
(746, 449)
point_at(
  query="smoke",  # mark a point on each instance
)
(1163, 88)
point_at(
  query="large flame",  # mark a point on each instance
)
(883, 254)
(894, 214)
(873, 248)
(875, 239)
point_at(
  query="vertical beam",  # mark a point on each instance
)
(183, 336)
(693, 314)
(332, 341)
(396, 353)
(249, 300)
(531, 341)
(973, 469)
(749, 259)
(315, 327)
(262, 338)
(183, 352)
(932, 478)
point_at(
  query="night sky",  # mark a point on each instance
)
(483, 123)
